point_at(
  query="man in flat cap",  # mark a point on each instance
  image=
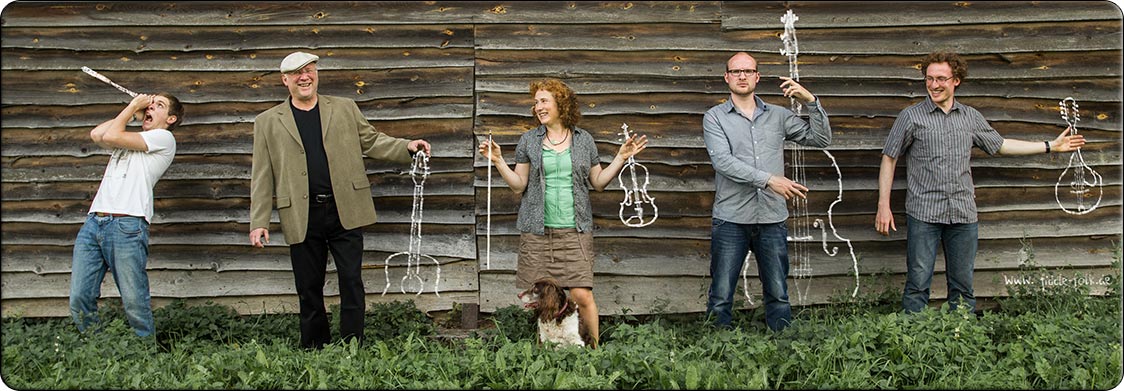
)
(308, 155)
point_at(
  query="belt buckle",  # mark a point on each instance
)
(323, 198)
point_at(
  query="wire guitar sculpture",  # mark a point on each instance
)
(420, 170)
(636, 196)
(1083, 178)
(802, 233)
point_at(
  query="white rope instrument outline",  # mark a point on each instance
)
(488, 229)
(801, 234)
(638, 195)
(1078, 185)
(101, 77)
(413, 256)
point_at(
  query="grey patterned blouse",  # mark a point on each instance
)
(583, 154)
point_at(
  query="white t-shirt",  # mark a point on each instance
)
(130, 176)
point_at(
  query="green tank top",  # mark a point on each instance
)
(559, 208)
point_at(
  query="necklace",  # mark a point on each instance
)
(557, 143)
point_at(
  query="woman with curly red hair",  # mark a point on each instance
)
(556, 164)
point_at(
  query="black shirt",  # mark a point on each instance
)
(312, 135)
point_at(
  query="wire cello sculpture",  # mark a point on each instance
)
(802, 232)
(635, 197)
(1083, 178)
(414, 256)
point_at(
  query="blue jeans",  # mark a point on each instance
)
(959, 241)
(729, 245)
(119, 245)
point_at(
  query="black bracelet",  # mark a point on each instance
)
(1047, 146)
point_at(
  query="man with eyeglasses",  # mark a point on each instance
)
(745, 139)
(308, 158)
(938, 135)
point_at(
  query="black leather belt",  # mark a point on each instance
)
(322, 198)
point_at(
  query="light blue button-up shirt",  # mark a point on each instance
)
(746, 150)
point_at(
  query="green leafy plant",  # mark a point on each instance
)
(396, 319)
(1041, 341)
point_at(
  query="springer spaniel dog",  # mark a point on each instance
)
(556, 314)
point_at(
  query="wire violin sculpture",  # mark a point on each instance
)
(636, 197)
(418, 172)
(1082, 178)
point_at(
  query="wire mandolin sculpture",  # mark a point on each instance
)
(1081, 179)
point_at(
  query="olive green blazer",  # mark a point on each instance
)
(280, 170)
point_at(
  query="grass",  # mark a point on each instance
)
(1057, 337)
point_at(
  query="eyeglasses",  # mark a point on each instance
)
(741, 72)
(938, 80)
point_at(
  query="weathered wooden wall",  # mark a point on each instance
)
(412, 79)
(453, 72)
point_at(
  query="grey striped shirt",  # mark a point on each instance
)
(745, 151)
(938, 169)
(532, 208)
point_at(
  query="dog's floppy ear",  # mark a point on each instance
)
(551, 298)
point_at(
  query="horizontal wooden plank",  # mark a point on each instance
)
(40, 259)
(256, 13)
(858, 168)
(859, 227)
(78, 88)
(636, 295)
(241, 162)
(690, 179)
(457, 240)
(1105, 89)
(447, 138)
(437, 240)
(969, 39)
(460, 276)
(847, 152)
(683, 132)
(226, 113)
(244, 305)
(194, 38)
(818, 202)
(265, 61)
(683, 257)
(690, 64)
(438, 209)
(1095, 115)
(614, 255)
(835, 14)
(673, 139)
(401, 186)
(216, 189)
(65, 168)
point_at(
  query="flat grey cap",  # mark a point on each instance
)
(297, 60)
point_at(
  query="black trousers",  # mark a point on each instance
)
(310, 262)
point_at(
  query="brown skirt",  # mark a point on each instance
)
(564, 254)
